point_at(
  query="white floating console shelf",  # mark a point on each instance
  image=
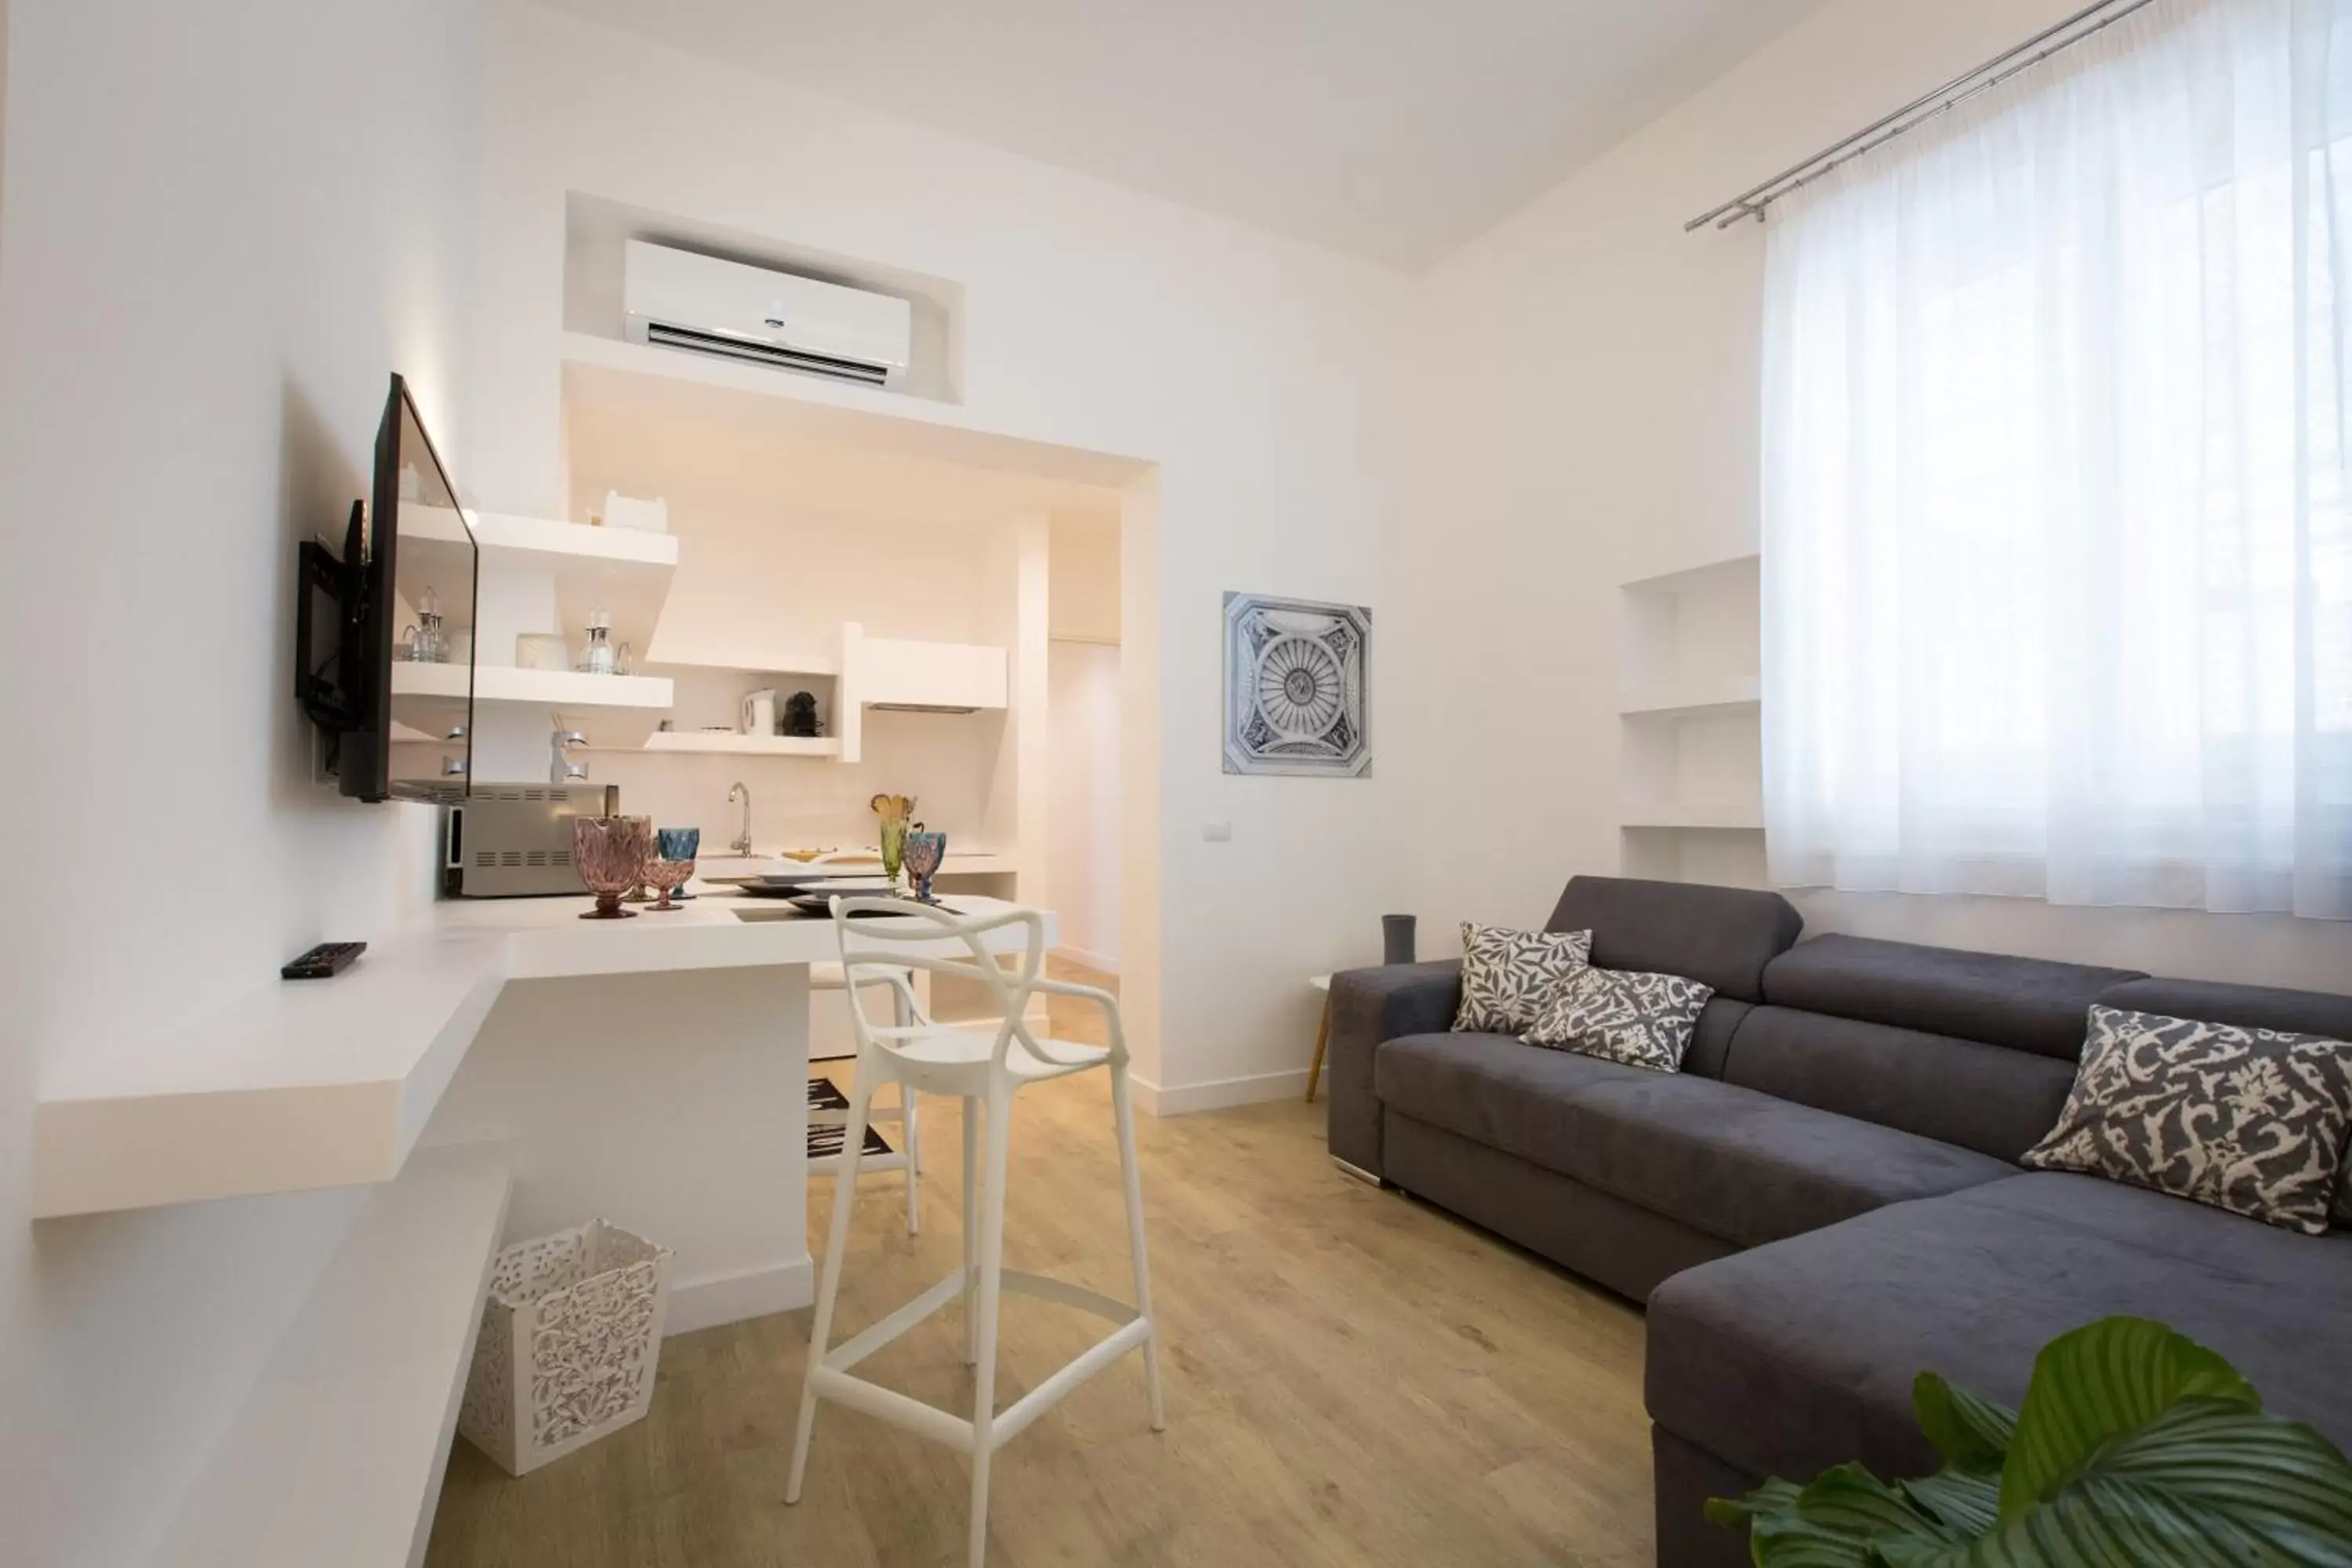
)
(299, 1084)
(387, 1331)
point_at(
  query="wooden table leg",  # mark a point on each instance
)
(1322, 1038)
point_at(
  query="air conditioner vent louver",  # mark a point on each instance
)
(765, 354)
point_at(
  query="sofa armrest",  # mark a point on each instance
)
(1369, 1005)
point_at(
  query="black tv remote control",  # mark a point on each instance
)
(324, 961)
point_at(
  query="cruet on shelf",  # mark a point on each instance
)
(426, 642)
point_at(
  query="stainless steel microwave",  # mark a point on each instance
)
(512, 841)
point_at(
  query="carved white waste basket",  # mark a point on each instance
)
(570, 1338)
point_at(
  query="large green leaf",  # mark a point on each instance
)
(1967, 1502)
(1972, 1434)
(1832, 1522)
(2136, 1448)
(2210, 1483)
(2096, 1384)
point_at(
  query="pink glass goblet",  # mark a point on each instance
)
(610, 854)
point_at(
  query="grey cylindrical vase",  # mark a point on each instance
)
(1396, 939)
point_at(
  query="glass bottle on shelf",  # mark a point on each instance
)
(426, 642)
(600, 642)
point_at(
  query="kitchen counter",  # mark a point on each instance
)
(301, 1084)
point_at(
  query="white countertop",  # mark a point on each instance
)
(319, 1083)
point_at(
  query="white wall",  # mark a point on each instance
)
(1082, 842)
(1255, 371)
(1589, 409)
(1083, 578)
(225, 225)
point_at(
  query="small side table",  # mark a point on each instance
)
(1322, 1033)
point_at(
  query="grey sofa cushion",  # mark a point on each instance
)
(2025, 1003)
(1729, 1163)
(1791, 1358)
(1608, 1240)
(1721, 937)
(1986, 1098)
(2247, 1007)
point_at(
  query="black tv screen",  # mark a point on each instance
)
(409, 546)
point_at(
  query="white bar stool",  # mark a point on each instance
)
(835, 977)
(983, 1068)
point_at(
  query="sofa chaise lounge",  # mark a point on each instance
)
(1827, 1199)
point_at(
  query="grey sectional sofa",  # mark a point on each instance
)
(1826, 1199)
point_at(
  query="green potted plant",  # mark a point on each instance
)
(2136, 1445)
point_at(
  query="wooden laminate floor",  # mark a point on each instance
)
(1351, 1378)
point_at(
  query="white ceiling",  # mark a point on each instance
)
(1392, 128)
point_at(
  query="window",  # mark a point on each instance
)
(2057, 549)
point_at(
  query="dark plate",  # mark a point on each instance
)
(822, 904)
(789, 886)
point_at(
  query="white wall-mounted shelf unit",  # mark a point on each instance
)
(387, 1333)
(1690, 702)
(624, 572)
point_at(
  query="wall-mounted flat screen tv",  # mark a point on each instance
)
(385, 628)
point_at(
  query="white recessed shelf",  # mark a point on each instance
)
(728, 743)
(337, 1454)
(1716, 699)
(1698, 576)
(1744, 816)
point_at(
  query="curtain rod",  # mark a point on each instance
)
(1752, 202)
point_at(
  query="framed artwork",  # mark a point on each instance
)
(1294, 676)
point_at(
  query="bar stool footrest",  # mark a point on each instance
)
(832, 1380)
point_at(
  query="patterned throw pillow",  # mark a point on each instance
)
(2251, 1121)
(1624, 1015)
(1507, 975)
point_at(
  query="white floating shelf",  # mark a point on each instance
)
(1739, 815)
(624, 572)
(729, 743)
(297, 1084)
(1707, 700)
(338, 1453)
(1684, 579)
(539, 688)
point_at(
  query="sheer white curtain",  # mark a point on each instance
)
(2057, 556)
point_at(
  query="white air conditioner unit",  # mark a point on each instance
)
(682, 301)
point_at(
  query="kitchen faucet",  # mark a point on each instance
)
(742, 844)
